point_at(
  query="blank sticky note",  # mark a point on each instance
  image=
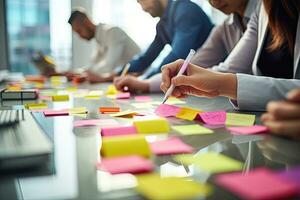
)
(60, 98)
(257, 184)
(170, 146)
(125, 145)
(248, 130)
(194, 129)
(188, 113)
(174, 100)
(165, 110)
(127, 164)
(143, 98)
(120, 130)
(125, 95)
(34, 106)
(95, 122)
(213, 118)
(108, 110)
(52, 113)
(151, 125)
(235, 119)
(152, 186)
(126, 114)
(211, 162)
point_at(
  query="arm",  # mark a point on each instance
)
(154, 83)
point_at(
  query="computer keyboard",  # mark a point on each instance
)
(10, 117)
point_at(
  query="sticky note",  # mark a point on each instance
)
(120, 130)
(95, 122)
(213, 118)
(165, 110)
(60, 98)
(52, 113)
(257, 184)
(211, 162)
(235, 119)
(188, 113)
(248, 130)
(152, 186)
(143, 98)
(94, 94)
(142, 105)
(126, 114)
(125, 146)
(193, 129)
(34, 106)
(71, 89)
(151, 125)
(125, 95)
(79, 110)
(174, 100)
(111, 90)
(170, 146)
(127, 164)
(107, 110)
(292, 175)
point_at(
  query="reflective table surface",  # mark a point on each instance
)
(72, 173)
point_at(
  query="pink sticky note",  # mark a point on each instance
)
(143, 98)
(41, 110)
(125, 95)
(257, 184)
(47, 98)
(120, 130)
(165, 110)
(213, 118)
(51, 113)
(95, 122)
(128, 164)
(170, 146)
(248, 130)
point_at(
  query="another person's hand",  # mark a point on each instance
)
(131, 83)
(97, 78)
(198, 81)
(283, 117)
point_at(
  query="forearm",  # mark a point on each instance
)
(227, 85)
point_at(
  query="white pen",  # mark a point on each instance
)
(181, 71)
(125, 70)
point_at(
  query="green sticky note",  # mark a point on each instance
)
(236, 119)
(152, 186)
(211, 162)
(193, 129)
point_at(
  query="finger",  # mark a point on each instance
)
(284, 110)
(266, 117)
(169, 71)
(294, 95)
(289, 128)
(181, 80)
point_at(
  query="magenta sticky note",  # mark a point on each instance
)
(248, 130)
(257, 184)
(213, 118)
(95, 122)
(52, 113)
(292, 175)
(125, 95)
(120, 130)
(143, 98)
(128, 164)
(165, 110)
(170, 146)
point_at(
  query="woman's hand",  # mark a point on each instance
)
(198, 81)
(283, 117)
(131, 83)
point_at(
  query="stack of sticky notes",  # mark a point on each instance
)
(152, 186)
(125, 95)
(149, 125)
(211, 162)
(34, 106)
(64, 112)
(60, 98)
(248, 130)
(169, 146)
(119, 146)
(109, 110)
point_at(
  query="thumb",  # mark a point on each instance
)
(294, 95)
(181, 80)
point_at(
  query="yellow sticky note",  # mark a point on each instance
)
(193, 129)
(95, 94)
(174, 100)
(188, 113)
(71, 89)
(236, 119)
(60, 98)
(211, 162)
(152, 186)
(58, 79)
(79, 110)
(111, 90)
(14, 88)
(125, 146)
(127, 114)
(32, 106)
(151, 125)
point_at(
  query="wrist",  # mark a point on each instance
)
(228, 85)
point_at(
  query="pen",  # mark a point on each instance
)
(181, 71)
(125, 70)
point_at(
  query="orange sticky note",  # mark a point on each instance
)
(109, 110)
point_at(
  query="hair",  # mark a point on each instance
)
(77, 14)
(282, 14)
